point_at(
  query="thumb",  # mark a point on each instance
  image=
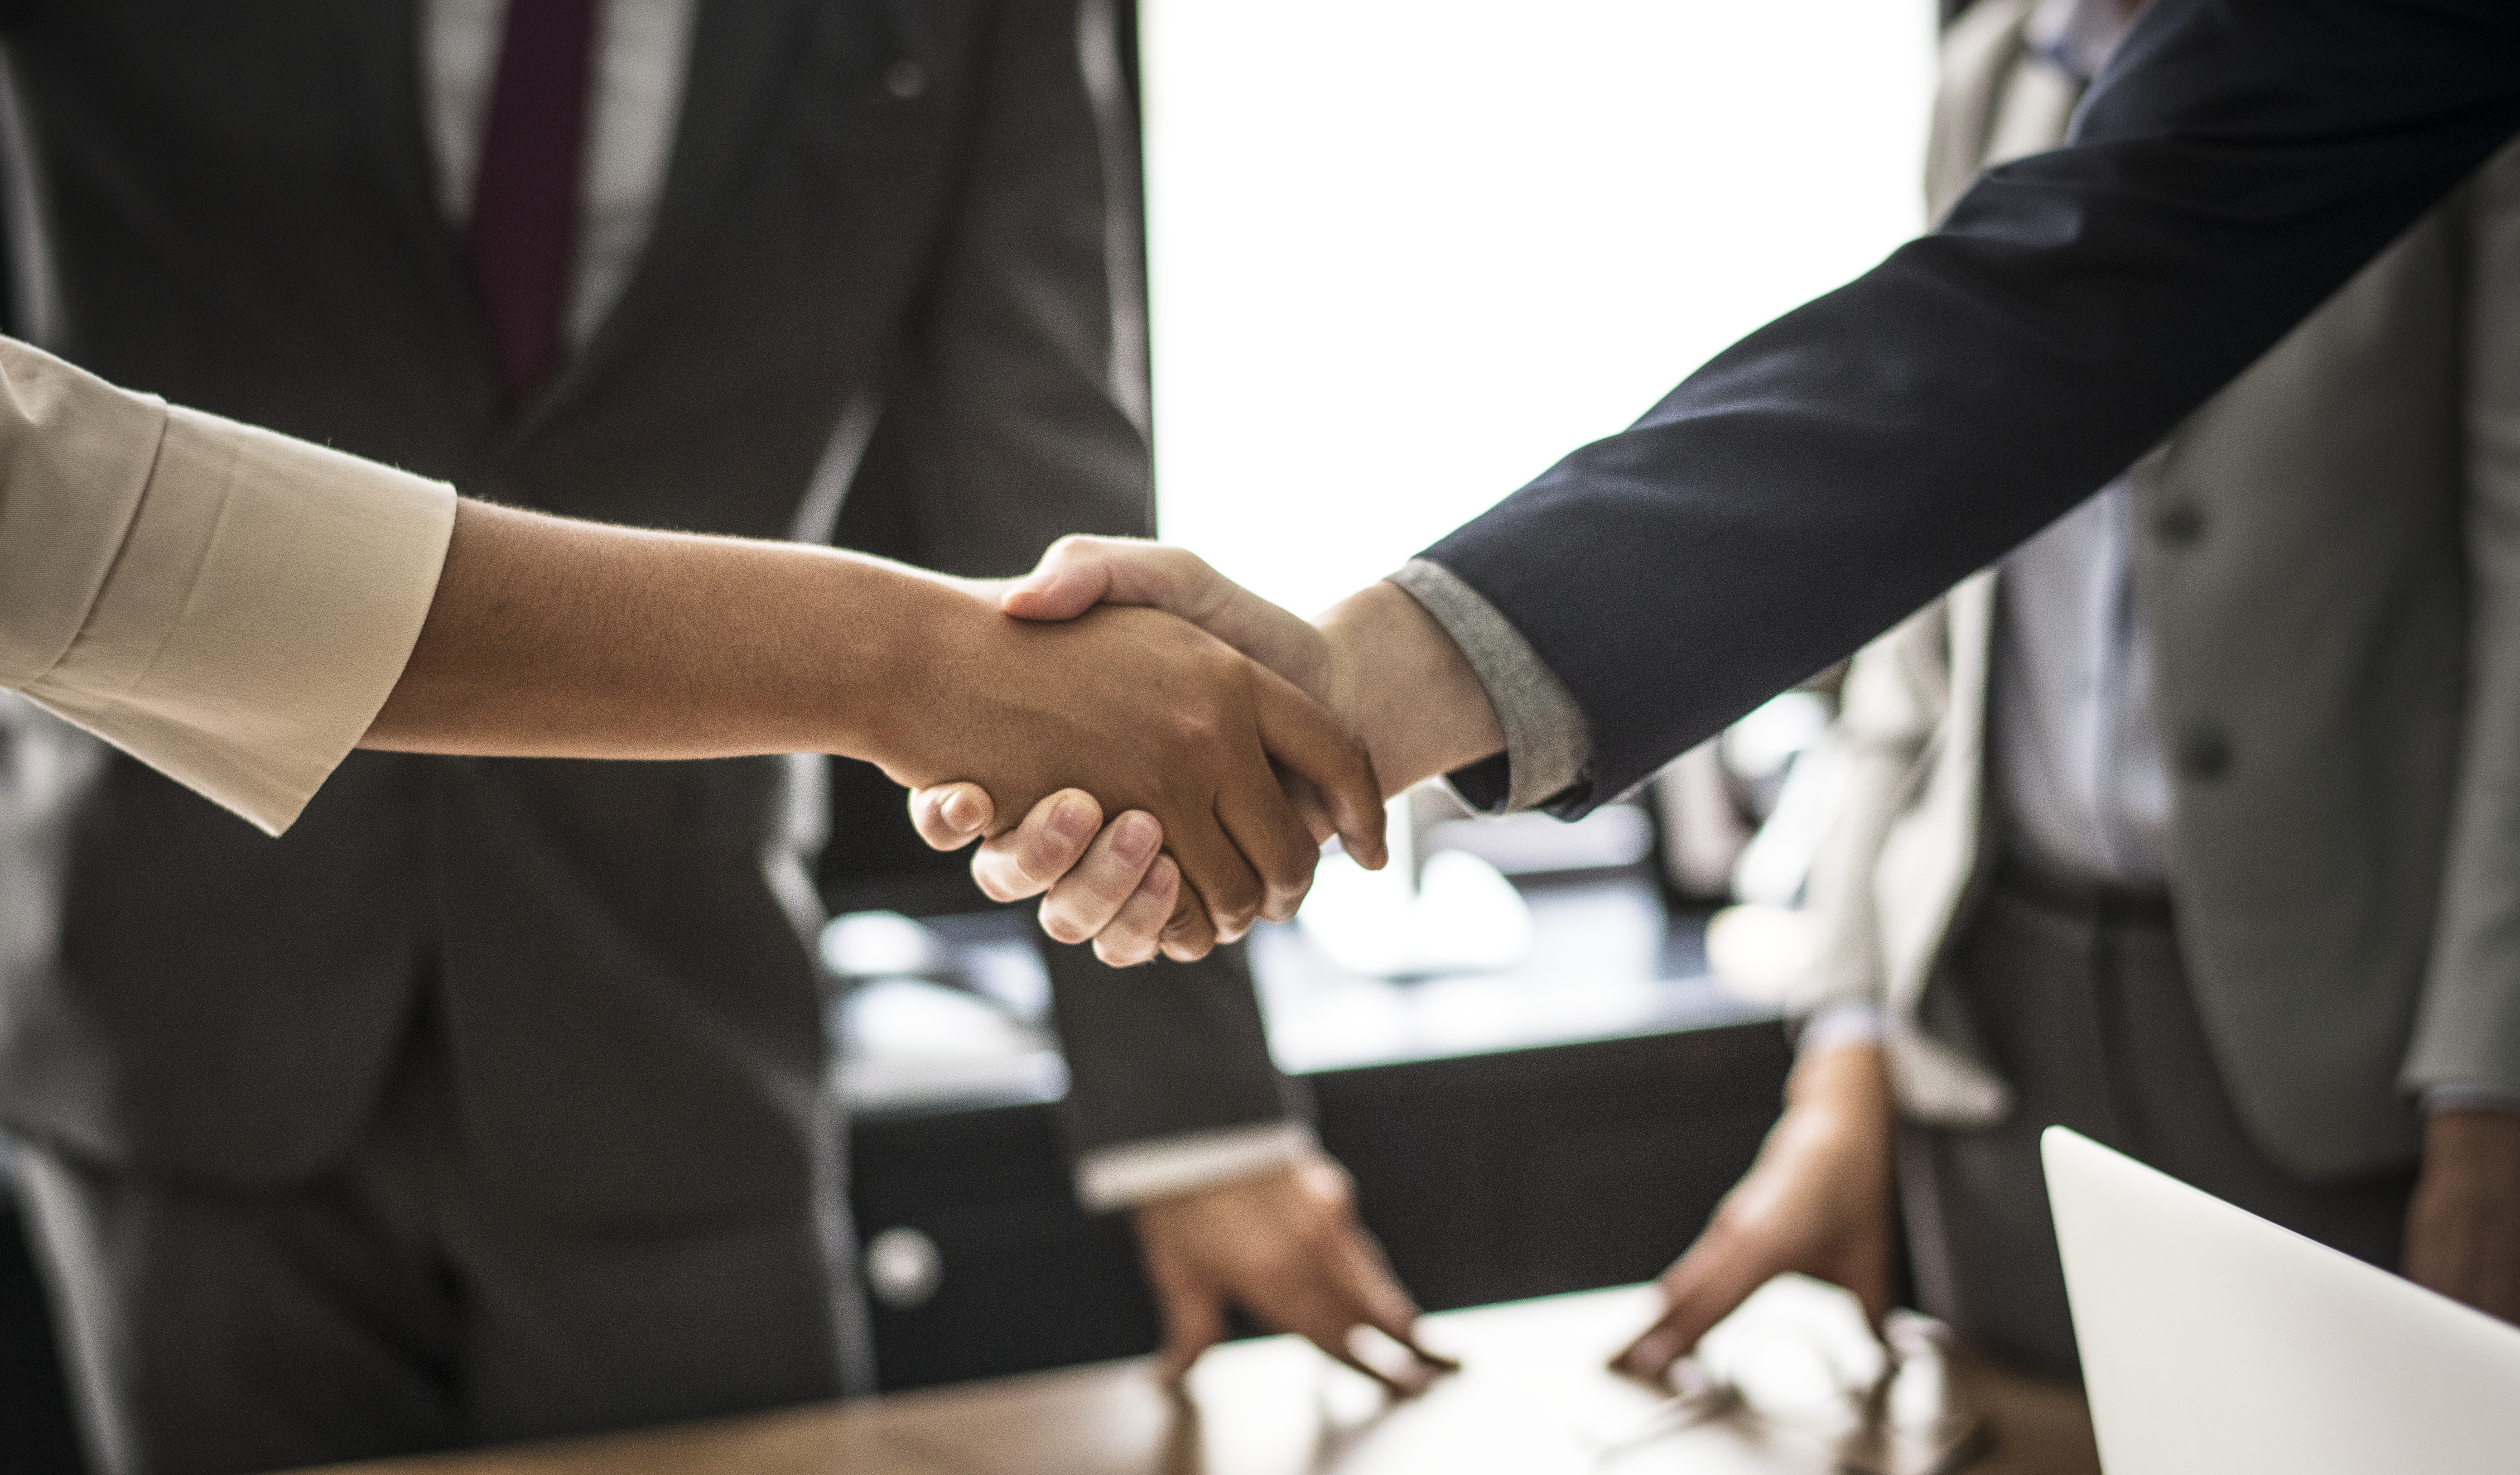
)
(950, 816)
(1075, 576)
(1081, 571)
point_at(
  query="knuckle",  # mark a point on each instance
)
(1243, 894)
(1200, 727)
(1103, 899)
(1039, 860)
(988, 872)
(1333, 1189)
(1120, 954)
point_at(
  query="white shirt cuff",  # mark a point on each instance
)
(1131, 1173)
(259, 613)
(1836, 1024)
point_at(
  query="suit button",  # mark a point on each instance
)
(905, 79)
(2180, 523)
(2204, 753)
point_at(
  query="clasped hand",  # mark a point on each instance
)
(1383, 671)
(1233, 772)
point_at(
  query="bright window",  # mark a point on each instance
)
(1405, 253)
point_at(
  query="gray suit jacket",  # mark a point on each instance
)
(245, 219)
(2331, 568)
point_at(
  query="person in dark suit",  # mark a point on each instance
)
(489, 1101)
(2233, 166)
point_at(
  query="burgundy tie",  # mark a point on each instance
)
(523, 237)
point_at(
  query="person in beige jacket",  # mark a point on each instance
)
(239, 610)
(2194, 824)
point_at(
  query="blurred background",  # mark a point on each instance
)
(1398, 264)
(1400, 261)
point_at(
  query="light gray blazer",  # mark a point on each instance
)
(2330, 566)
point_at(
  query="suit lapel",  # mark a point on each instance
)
(739, 50)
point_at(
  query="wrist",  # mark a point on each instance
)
(1844, 1087)
(1396, 679)
(927, 639)
(2471, 1156)
(2478, 1136)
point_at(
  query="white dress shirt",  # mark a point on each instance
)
(642, 55)
(2076, 754)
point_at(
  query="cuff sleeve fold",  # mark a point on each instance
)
(263, 603)
(1549, 744)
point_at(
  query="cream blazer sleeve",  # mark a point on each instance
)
(2467, 1031)
(228, 606)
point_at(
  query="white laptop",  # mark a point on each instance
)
(2215, 1343)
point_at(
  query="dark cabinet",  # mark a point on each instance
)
(1487, 1177)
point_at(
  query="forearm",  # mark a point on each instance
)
(1847, 1083)
(1836, 469)
(1405, 689)
(554, 638)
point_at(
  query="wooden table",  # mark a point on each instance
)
(1532, 1399)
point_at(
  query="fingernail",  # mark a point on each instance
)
(1073, 820)
(961, 809)
(1135, 839)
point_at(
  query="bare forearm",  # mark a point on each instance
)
(553, 638)
(1405, 690)
(556, 639)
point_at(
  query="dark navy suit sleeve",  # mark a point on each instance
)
(2237, 163)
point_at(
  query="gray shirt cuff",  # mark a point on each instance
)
(1548, 744)
(1129, 1174)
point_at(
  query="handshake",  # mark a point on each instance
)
(1176, 748)
(1222, 738)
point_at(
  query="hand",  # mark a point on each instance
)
(1382, 665)
(1377, 659)
(1081, 572)
(1114, 887)
(1817, 1201)
(2463, 1225)
(1287, 1246)
(551, 638)
(1144, 711)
